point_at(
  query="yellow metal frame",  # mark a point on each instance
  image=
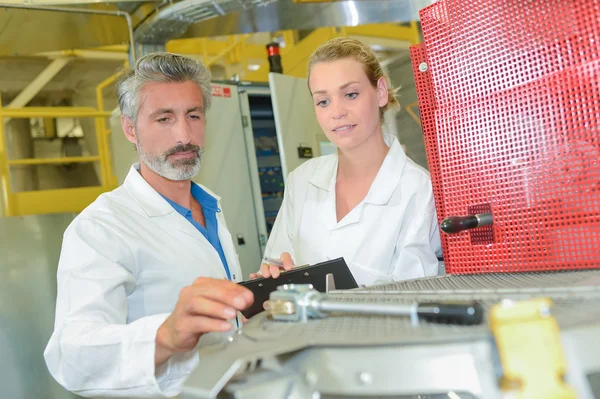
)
(412, 113)
(59, 200)
(102, 129)
(295, 54)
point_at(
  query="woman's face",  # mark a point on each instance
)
(346, 104)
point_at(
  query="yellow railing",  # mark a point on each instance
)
(102, 129)
(57, 200)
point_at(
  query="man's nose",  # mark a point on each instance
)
(183, 131)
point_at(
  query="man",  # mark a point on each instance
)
(144, 270)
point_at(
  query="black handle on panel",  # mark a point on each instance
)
(456, 224)
(451, 313)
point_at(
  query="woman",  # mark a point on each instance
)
(368, 203)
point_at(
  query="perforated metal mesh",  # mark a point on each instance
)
(509, 96)
(500, 282)
(570, 309)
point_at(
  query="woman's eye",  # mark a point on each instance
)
(352, 96)
(323, 103)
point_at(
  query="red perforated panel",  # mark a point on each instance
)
(509, 96)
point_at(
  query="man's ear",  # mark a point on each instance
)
(129, 129)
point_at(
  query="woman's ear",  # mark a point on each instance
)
(382, 92)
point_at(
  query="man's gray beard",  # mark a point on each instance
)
(182, 169)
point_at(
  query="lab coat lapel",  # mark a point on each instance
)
(157, 208)
(390, 172)
(226, 241)
(324, 179)
(229, 249)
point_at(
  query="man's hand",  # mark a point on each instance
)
(203, 307)
(268, 270)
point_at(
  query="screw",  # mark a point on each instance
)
(311, 378)
(365, 378)
(423, 66)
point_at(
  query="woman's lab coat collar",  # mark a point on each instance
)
(385, 182)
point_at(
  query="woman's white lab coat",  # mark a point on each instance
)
(123, 263)
(391, 235)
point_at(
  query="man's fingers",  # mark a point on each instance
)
(254, 276)
(203, 325)
(223, 291)
(200, 306)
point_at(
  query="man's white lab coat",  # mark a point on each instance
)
(124, 260)
(391, 235)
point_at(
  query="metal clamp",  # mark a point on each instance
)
(528, 342)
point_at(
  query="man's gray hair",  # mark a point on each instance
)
(165, 68)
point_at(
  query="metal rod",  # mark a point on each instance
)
(102, 130)
(4, 171)
(366, 308)
(85, 11)
(49, 112)
(43, 161)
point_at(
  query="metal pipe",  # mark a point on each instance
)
(85, 11)
(366, 308)
(87, 54)
(52, 112)
(4, 169)
(102, 130)
(48, 161)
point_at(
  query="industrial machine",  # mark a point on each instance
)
(508, 95)
(539, 338)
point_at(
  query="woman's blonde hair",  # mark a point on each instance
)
(343, 47)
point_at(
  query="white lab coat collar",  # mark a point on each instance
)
(385, 182)
(156, 207)
(147, 197)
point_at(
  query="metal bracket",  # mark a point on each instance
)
(329, 282)
(528, 341)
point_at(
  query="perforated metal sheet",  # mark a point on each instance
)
(576, 297)
(570, 309)
(584, 280)
(509, 98)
